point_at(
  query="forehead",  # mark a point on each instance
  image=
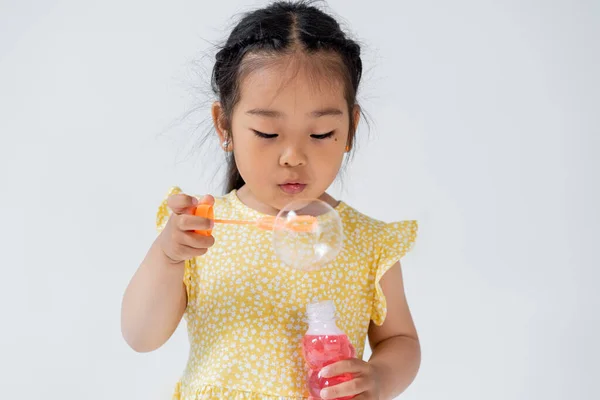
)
(291, 84)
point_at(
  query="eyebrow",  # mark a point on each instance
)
(262, 112)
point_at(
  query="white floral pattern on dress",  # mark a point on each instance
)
(246, 310)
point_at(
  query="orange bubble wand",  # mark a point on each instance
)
(298, 223)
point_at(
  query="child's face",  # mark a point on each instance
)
(290, 131)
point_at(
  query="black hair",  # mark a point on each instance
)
(282, 28)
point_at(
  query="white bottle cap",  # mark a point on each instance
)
(321, 311)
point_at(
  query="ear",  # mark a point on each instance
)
(355, 117)
(218, 116)
(354, 127)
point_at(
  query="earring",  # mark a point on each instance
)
(226, 142)
(347, 149)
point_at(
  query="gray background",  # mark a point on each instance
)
(485, 128)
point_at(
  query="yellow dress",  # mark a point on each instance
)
(246, 310)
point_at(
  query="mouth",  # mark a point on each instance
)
(293, 187)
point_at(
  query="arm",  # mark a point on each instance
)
(156, 297)
(396, 351)
(154, 302)
(396, 354)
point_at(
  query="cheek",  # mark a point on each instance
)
(251, 157)
(328, 161)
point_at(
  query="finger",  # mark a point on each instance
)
(183, 252)
(348, 388)
(352, 365)
(207, 199)
(192, 222)
(192, 240)
(181, 203)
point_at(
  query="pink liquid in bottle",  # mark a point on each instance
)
(324, 344)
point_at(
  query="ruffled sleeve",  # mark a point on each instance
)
(396, 240)
(162, 217)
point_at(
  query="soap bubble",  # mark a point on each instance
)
(307, 234)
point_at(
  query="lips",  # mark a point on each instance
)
(292, 187)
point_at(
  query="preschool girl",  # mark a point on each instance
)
(286, 116)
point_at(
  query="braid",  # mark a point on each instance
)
(347, 48)
(229, 57)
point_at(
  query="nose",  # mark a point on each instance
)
(292, 156)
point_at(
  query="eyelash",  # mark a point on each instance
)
(265, 135)
(322, 136)
(274, 135)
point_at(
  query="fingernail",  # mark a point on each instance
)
(194, 201)
(322, 372)
(324, 393)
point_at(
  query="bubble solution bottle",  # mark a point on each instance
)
(323, 344)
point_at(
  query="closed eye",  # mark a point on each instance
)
(264, 135)
(322, 136)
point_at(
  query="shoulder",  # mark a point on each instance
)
(359, 226)
(358, 222)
